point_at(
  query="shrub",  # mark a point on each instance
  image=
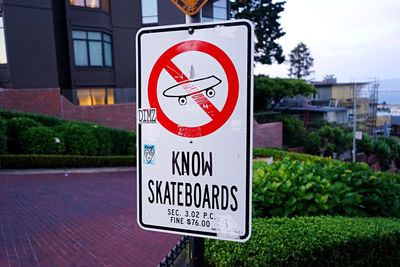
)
(15, 128)
(103, 136)
(280, 154)
(291, 187)
(294, 133)
(328, 140)
(78, 139)
(382, 152)
(124, 142)
(100, 141)
(3, 136)
(44, 120)
(131, 143)
(41, 140)
(312, 241)
(63, 161)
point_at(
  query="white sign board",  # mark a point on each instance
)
(194, 101)
(358, 135)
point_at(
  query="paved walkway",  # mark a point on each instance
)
(75, 219)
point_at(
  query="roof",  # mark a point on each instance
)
(315, 109)
(338, 84)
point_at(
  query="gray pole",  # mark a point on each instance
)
(354, 121)
(196, 244)
(194, 19)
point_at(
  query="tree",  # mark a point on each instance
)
(300, 61)
(382, 150)
(268, 92)
(294, 133)
(265, 15)
(328, 140)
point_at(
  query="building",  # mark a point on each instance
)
(362, 95)
(395, 125)
(58, 57)
(314, 115)
(334, 103)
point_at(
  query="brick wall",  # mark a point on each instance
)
(42, 101)
(50, 102)
(122, 116)
(267, 134)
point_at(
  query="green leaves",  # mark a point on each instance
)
(265, 15)
(300, 61)
(34, 134)
(312, 241)
(268, 92)
(327, 140)
(290, 187)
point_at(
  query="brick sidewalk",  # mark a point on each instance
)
(86, 219)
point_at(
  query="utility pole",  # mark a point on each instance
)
(354, 151)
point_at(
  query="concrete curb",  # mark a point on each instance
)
(62, 171)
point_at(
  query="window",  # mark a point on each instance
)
(149, 11)
(85, 3)
(220, 10)
(95, 96)
(3, 51)
(92, 49)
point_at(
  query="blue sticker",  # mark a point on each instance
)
(149, 154)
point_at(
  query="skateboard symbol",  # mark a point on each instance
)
(193, 87)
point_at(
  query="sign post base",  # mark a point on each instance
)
(196, 251)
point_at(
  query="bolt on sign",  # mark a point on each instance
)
(194, 146)
(189, 7)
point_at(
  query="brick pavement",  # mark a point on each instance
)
(75, 219)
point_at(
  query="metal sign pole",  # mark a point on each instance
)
(196, 251)
(194, 18)
(196, 243)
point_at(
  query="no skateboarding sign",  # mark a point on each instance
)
(194, 98)
(192, 88)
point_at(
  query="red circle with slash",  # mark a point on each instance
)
(218, 118)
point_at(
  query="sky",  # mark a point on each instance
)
(354, 40)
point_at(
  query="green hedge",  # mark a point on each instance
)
(41, 140)
(16, 127)
(79, 138)
(63, 161)
(44, 120)
(3, 136)
(291, 187)
(280, 154)
(312, 241)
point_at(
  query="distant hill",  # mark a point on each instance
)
(389, 91)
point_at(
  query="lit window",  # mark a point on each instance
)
(84, 97)
(95, 96)
(85, 3)
(77, 2)
(92, 49)
(149, 11)
(98, 96)
(93, 3)
(3, 51)
(110, 96)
